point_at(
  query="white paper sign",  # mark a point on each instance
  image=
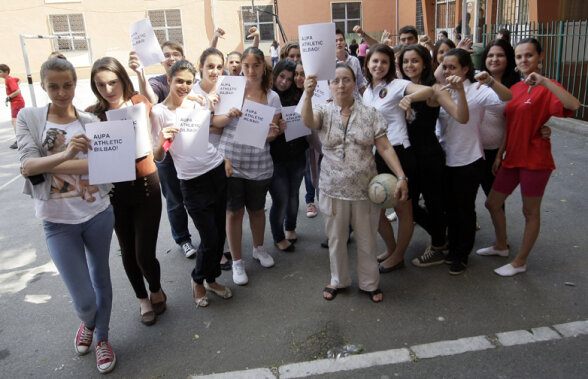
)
(230, 90)
(192, 139)
(294, 126)
(254, 124)
(317, 49)
(322, 93)
(145, 43)
(112, 158)
(138, 114)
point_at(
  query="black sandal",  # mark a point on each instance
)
(331, 291)
(373, 293)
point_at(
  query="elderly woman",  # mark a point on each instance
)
(348, 131)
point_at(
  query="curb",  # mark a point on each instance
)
(569, 125)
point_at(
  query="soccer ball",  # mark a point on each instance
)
(381, 190)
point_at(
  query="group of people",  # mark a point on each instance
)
(441, 136)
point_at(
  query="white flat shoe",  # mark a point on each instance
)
(225, 294)
(510, 270)
(492, 251)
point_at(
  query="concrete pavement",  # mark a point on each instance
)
(280, 317)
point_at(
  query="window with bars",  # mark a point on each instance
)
(346, 15)
(262, 18)
(68, 25)
(513, 11)
(167, 25)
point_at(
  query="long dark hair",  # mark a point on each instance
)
(114, 66)
(510, 76)
(464, 59)
(383, 49)
(291, 96)
(266, 81)
(427, 76)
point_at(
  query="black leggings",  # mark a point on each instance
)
(137, 211)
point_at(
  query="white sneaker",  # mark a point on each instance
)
(239, 275)
(492, 251)
(392, 217)
(510, 270)
(263, 257)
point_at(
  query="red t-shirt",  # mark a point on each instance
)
(525, 114)
(11, 86)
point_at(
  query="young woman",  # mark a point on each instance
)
(274, 53)
(291, 51)
(78, 227)
(203, 181)
(211, 67)
(441, 47)
(347, 168)
(312, 154)
(528, 158)
(289, 164)
(137, 203)
(428, 178)
(498, 60)
(253, 167)
(392, 97)
(463, 151)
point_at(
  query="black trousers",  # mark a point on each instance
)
(137, 211)
(430, 181)
(205, 198)
(461, 189)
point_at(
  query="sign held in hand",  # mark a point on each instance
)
(317, 49)
(295, 128)
(145, 43)
(230, 90)
(138, 114)
(254, 124)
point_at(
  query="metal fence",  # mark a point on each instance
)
(565, 45)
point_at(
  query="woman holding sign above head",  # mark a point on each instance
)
(137, 203)
(253, 167)
(202, 173)
(78, 228)
(349, 130)
(393, 98)
(289, 164)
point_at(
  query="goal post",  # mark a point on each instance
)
(23, 45)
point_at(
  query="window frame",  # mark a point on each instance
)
(166, 28)
(247, 25)
(69, 33)
(347, 19)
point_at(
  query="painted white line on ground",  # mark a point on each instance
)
(523, 337)
(9, 182)
(394, 356)
(257, 373)
(444, 348)
(572, 329)
(353, 362)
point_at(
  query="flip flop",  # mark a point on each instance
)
(373, 293)
(331, 291)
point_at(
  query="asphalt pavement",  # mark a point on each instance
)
(280, 317)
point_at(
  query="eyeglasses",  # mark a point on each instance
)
(339, 81)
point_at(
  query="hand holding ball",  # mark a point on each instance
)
(381, 190)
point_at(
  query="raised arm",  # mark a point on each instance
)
(144, 86)
(459, 110)
(369, 40)
(309, 118)
(501, 90)
(218, 33)
(567, 99)
(253, 32)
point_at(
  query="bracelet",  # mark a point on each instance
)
(402, 178)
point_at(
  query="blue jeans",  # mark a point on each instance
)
(170, 187)
(284, 190)
(80, 253)
(310, 191)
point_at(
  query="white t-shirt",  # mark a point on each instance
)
(462, 142)
(493, 126)
(274, 51)
(187, 166)
(72, 199)
(385, 97)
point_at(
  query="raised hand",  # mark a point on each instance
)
(310, 85)
(483, 78)
(453, 82)
(134, 62)
(253, 32)
(534, 79)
